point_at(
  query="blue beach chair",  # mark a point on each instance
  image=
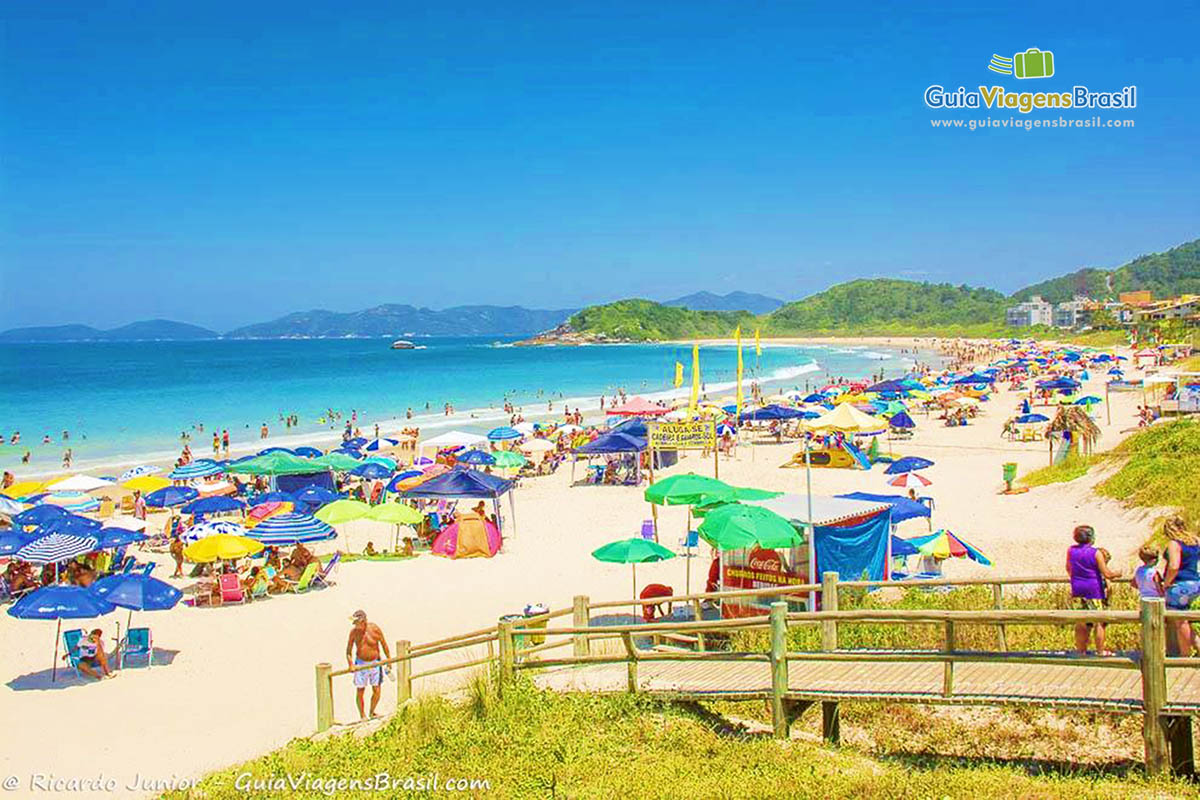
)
(71, 640)
(138, 643)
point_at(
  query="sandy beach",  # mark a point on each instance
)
(237, 681)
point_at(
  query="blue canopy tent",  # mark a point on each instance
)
(462, 484)
(902, 507)
(273, 497)
(612, 443)
(300, 482)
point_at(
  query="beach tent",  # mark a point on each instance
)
(618, 442)
(459, 483)
(469, 536)
(902, 507)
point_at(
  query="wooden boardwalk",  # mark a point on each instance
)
(1060, 686)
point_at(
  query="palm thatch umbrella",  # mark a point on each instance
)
(1075, 421)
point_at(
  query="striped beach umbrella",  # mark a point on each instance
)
(213, 528)
(55, 547)
(291, 528)
(910, 480)
(139, 471)
(504, 433)
(72, 501)
(200, 468)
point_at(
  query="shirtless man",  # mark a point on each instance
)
(363, 648)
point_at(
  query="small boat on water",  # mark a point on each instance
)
(403, 344)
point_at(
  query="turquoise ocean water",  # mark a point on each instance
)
(127, 402)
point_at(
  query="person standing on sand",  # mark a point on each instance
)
(1087, 567)
(363, 648)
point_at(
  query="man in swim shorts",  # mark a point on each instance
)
(366, 638)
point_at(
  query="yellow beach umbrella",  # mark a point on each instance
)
(848, 419)
(23, 488)
(221, 547)
(146, 484)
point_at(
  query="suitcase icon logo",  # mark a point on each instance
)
(1033, 63)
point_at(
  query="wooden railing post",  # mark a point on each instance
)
(1154, 684)
(581, 617)
(998, 604)
(631, 663)
(829, 602)
(948, 667)
(505, 634)
(697, 613)
(403, 672)
(324, 696)
(779, 668)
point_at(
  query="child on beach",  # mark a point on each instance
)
(1146, 578)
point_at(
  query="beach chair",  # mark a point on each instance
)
(127, 504)
(325, 576)
(106, 509)
(648, 529)
(71, 640)
(138, 643)
(231, 589)
(689, 543)
(305, 583)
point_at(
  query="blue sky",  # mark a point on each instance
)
(222, 163)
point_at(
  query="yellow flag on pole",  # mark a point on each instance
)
(694, 403)
(678, 374)
(738, 336)
(757, 343)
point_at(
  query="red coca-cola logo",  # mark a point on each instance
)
(765, 561)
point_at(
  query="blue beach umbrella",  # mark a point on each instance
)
(170, 496)
(503, 433)
(200, 468)
(382, 443)
(1089, 400)
(372, 470)
(901, 419)
(1030, 419)
(11, 541)
(10, 507)
(291, 528)
(139, 471)
(213, 505)
(358, 442)
(270, 450)
(273, 497)
(907, 464)
(136, 591)
(72, 524)
(213, 527)
(313, 497)
(39, 515)
(118, 537)
(308, 452)
(476, 458)
(59, 603)
(394, 484)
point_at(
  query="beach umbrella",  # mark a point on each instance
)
(274, 497)
(395, 513)
(910, 480)
(340, 462)
(264, 510)
(139, 471)
(58, 603)
(386, 461)
(423, 461)
(136, 591)
(734, 526)
(78, 483)
(944, 544)
(686, 489)
(1030, 419)
(146, 484)
(340, 511)
(382, 443)
(221, 547)
(508, 459)
(71, 501)
(307, 452)
(170, 496)
(475, 458)
(55, 547)
(213, 527)
(276, 463)
(503, 433)
(372, 470)
(266, 451)
(1088, 400)
(73, 524)
(10, 507)
(23, 488)
(848, 419)
(907, 464)
(315, 496)
(292, 528)
(538, 445)
(633, 552)
(11, 541)
(200, 468)
(901, 420)
(118, 537)
(394, 483)
(39, 515)
(357, 442)
(213, 505)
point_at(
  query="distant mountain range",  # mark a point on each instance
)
(734, 301)
(147, 330)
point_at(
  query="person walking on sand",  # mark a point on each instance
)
(1087, 567)
(363, 648)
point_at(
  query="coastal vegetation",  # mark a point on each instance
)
(1167, 274)
(645, 320)
(536, 744)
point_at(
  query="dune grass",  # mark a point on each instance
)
(1072, 467)
(535, 744)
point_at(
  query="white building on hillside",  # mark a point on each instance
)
(1034, 311)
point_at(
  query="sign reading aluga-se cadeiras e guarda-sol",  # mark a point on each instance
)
(690, 435)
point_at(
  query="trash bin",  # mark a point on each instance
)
(533, 610)
(1010, 472)
(518, 638)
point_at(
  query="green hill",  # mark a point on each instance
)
(887, 306)
(645, 320)
(1175, 272)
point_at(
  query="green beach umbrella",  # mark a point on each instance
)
(633, 552)
(734, 526)
(684, 490)
(337, 461)
(395, 513)
(390, 463)
(509, 459)
(340, 511)
(277, 463)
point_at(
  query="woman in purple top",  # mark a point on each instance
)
(1087, 566)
